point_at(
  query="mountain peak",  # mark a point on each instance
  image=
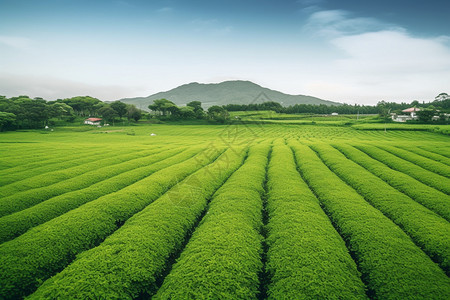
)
(224, 83)
(227, 92)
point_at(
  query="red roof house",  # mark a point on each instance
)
(92, 121)
(403, 118)
(411, 110)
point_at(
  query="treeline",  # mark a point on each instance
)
(304, 108)
(22, 112)
(167, 110)
(441, 102)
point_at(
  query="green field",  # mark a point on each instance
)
(237, 211)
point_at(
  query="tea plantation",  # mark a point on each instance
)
(239, 211)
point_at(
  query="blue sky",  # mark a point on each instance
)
(348, 51)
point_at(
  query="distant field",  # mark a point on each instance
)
(238, 211)
(443, 129)
(268, 114)
(360, 122)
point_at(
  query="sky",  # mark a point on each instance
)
(350, 51)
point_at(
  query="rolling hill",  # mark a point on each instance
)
(228, 92)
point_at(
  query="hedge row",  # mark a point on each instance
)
(425, 195)
(434, 156)
(42, 165)
(33, 157)
(306, 258)
(426, 163)
(17, 223)
(392, 266)
(223, 258)
(429, 178)
(116, 165)
(438, 150)
(128, 263)
(47, 180)
(11, 159)
(45, 249)
(430, 231)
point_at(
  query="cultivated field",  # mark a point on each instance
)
(242, 211)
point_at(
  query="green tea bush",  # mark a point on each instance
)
(419, 160)
(427, 229)
(46, 249)
(392, 266)
(441, 151)
(17, 223)
(306, 258)
(223, 258)
(433, 156)
(90, 174)
(425, 195)
(140, 249)
(429, 178)
(22, 157)
(41, 165)
(66, 172)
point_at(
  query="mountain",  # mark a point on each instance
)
(228, 92)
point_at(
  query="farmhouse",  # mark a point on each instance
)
(410, 114)
(92, 121)
(411, 111)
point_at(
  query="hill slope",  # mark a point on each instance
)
(228, 92)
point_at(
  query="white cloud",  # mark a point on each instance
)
(392, 52)
(340, 22)
(310, 6)
(389, 65)
(16, 42)
(374, 60)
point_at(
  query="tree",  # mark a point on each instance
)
(133, 113)
(174, 111)
(7, 121)
(442, 101)
(196, 105)
(108, 113)
(415, 103)
(187, 113)
(271, 105)
(425, 115)
(83, 105)
(30, 113)
(61, 110)
(442, 97)
(218, 114)
(384, 110)
(96, 107)
(163, 106)
(120, 108)
(197, 108)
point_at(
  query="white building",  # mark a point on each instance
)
(92, 121)
(410, 114)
